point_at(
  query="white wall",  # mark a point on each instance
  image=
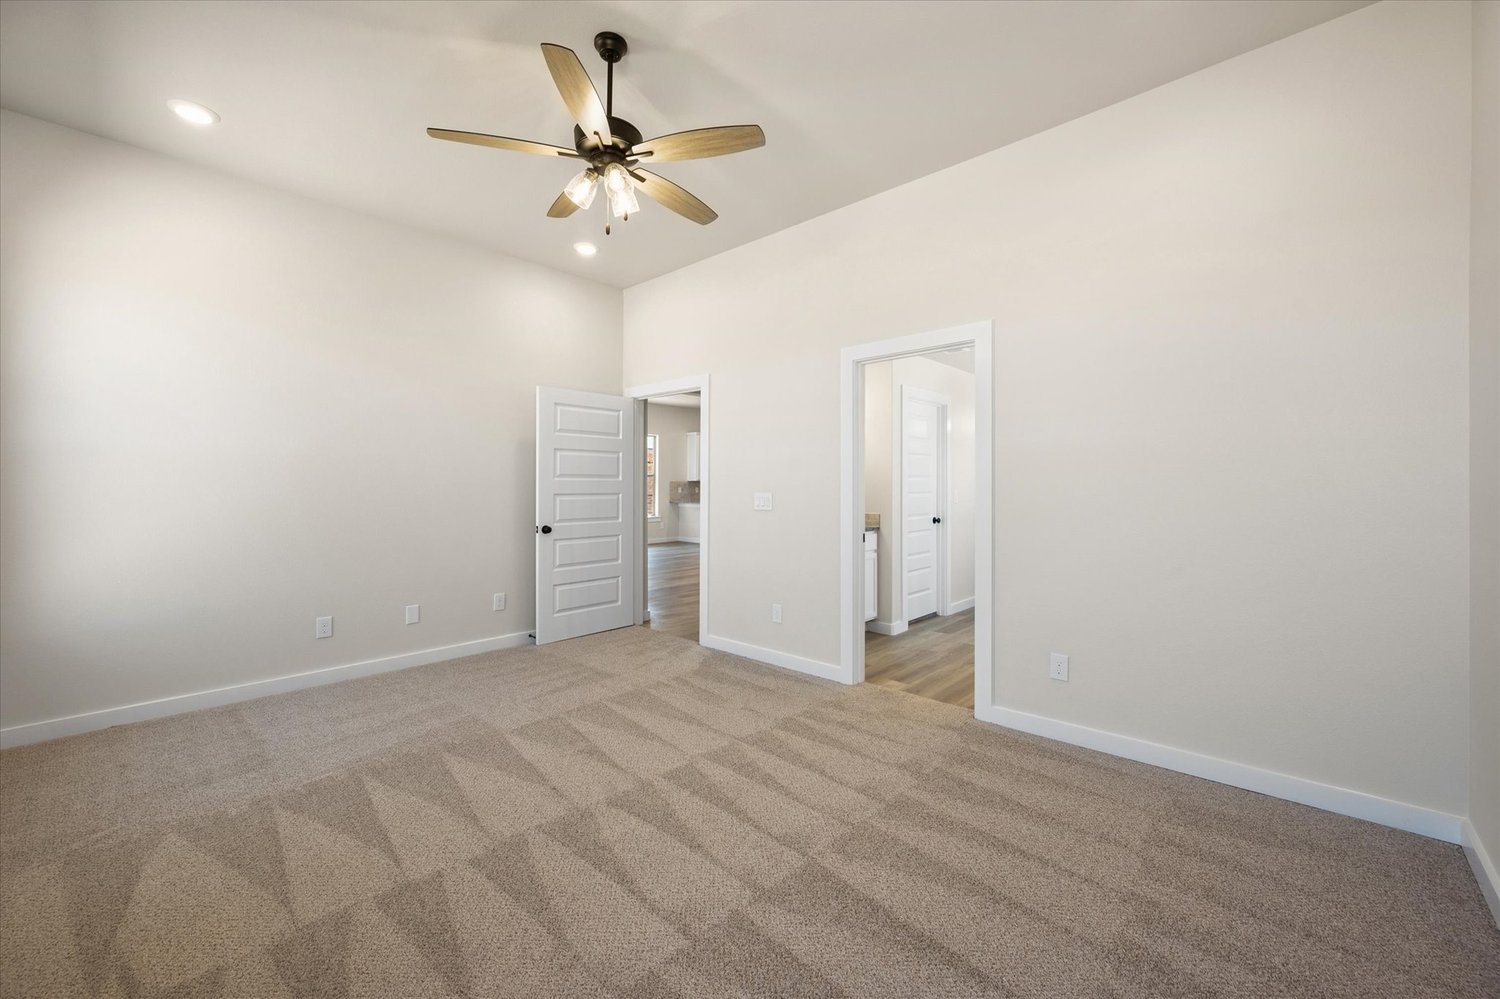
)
(1231, 392)
(227, 410)
(883, 383)
(1484, 439)
(671, 424)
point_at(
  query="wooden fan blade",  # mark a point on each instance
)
(668, 194)
(577, 90)
(562, 207)
(701, 143)
(501, 142)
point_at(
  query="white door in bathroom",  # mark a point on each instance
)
(924, 431)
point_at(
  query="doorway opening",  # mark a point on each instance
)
(674, 493)
(918, 538)
(917, 498)
(673, 461)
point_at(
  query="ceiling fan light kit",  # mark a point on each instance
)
(612, 147)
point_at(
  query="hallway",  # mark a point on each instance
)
(933, 659)
(672, 588)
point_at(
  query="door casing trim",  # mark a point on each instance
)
(979, 335)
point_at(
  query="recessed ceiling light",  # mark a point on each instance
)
(193, 114)
(585, 249)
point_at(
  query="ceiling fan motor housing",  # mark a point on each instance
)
(622, 133)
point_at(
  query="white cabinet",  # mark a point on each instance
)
(687, 522)
(693, 464)
(871, 567)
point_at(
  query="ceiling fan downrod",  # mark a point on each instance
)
(611, 48)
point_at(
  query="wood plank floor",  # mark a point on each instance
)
(934, 658)
(672, 588)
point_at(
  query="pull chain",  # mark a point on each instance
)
(609, 110)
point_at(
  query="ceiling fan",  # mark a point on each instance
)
(612, 147)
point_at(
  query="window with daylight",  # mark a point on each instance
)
(651, 469)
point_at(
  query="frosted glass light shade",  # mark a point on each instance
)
(616, 179)
(622, 203)
(582, 188)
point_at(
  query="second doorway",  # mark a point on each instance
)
(673, 513)
(919, 540)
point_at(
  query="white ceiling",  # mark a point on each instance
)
(329, 99)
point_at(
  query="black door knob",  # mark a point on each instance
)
(935, 520)
(546, 528)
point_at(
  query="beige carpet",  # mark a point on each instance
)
(631, 815)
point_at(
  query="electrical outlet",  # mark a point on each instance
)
(324, 628)
(413, 613)
(499, 601)
(1059, 670)
(775, 613)
(761, 501)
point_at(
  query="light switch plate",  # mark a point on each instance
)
(762, 501)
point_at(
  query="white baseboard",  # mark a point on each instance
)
(886, 627)
(828, 671)
(1484, 868)
(1343, 800)
(57, 728)
(959, 606)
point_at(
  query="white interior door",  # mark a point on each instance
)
(586, 551)
(923, 427)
